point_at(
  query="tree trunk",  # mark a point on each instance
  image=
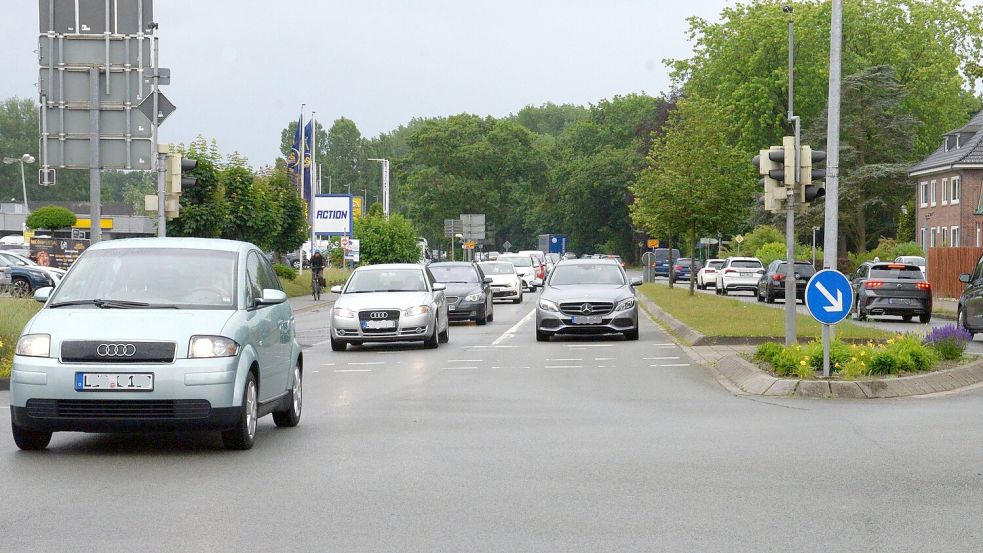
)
(671, 261)
(692, 261)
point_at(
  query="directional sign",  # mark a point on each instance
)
(164, 107)
(829, 296)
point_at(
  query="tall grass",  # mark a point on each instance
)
(14, 314)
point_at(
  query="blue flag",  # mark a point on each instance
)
(308, 149)
(294, 154)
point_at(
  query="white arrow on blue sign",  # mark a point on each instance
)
(829, 296)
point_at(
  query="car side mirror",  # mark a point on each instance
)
(439, 286)
(964, 278)
(336, 289)
(488, 280)
(636, 281)
(41, 295)
(272, 296)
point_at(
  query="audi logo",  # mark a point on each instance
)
(586, 309)
(379, 315)
(116, 350)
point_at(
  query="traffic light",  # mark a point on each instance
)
(176, 181)
(813, 183)
(777, 167)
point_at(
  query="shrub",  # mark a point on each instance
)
(902, 353)
(284, 272)
(768, 351)
(948, 341)
(50, 217)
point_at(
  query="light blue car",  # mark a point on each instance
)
(159, 334)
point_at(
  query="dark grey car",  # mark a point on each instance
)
(587, 297)
(469, 295)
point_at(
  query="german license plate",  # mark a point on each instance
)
(899, 301)
(452, 308)
(581, 320)
(114, 382)
(747, 274)
(378, 325)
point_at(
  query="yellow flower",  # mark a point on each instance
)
(862, 364)
(803, 363)
(890, 340)
(837, 365)
(854, 359)
(863, 353)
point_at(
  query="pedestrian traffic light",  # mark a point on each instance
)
(813, 180)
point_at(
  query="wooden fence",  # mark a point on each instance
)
(944, 267)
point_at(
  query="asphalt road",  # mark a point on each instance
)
(495, 442)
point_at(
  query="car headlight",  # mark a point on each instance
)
(212, 346)
(625, 304)
(34, 345)
(474, 297)
(343, 313)
(416, 311)
(547, 305)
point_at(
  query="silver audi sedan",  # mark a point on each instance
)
(389, 303)
(588, 297)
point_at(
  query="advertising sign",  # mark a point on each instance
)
(333, 214)
(352, 250)
(59, 253)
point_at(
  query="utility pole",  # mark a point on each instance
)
(790, 302)
(831, 228)
(385, 185)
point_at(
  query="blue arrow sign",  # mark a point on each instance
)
(829, 296)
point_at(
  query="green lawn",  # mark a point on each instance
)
(722, 317)
(301, 286)
(14, 314)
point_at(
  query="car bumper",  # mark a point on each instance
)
(616, 322)
(897, 306)
(466, 311)
(193, 394)
(409, 329)
(778, 291)
(507, 292)
(740, 283)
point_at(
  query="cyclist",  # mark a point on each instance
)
(317, 269)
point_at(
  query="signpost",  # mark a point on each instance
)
(829, 298)
(333, 215)
(506, 245)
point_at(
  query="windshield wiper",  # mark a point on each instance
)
(108, 304)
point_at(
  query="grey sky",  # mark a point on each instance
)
(241, 68)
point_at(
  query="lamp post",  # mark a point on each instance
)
(814, 229)
(385, 184)
(26, 158)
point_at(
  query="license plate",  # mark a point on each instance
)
(586, 320)
(114, 382)
(378, 324)
(747, 274)
(452, 308)
(899, 301)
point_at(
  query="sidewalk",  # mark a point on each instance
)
(305, 304)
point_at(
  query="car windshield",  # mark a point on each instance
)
(454, 273)
(497, 268)
(896, 271)
(153, 277)
(386, 280)
(518, 260)
(586, 274)
(745, 264)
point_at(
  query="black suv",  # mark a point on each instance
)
(771, 285)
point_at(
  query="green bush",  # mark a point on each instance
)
(767, 351)
(902, 353)
(284, 272)
(887, 250)
(50, 217)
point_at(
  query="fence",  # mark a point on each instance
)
(944, 267)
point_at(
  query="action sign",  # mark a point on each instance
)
(829, 296)
(332, 214)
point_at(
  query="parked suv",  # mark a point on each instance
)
(970, 309)
(771, 285)
(739, 274)
(708, 274)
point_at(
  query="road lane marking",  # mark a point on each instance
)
(672, 365)
(659, 358)
(317, 371)
(459, 368)
(465, 361)
(327, 364)
(515, 328)
(563, 367)
(367, 363)
(605, 358)
(589, 345)
(571, 359)
(353, 370)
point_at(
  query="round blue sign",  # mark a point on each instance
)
(829, 296)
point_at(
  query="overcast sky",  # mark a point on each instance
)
(241, 68)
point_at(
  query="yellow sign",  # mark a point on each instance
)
(104, 224)
(469, 245)
(653, 243)
(356, 206)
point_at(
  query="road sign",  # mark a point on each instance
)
(332, 214)
(829, 296)
(653, 243)
(739, 238)
(506, 245)
(474, 226)
(164, 107)
(344, 243)
(353, 252)
(356, 206)
(453, 227)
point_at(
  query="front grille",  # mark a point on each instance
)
(379, 315)
(577, 308)
(117, 351)
(118, 409)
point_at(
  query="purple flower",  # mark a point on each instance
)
(948, 333)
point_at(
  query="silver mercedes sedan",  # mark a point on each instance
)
(389, 303)
(587, 297)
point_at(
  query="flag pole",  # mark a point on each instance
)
(300, 160)
(314, 174)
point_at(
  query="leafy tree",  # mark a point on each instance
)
(51, 217)
(776, 250)
(697, 182)
(344, 159)
(203, 208)
(293, 227)
(549, 119)
(761, 235)
(386, 241)
(252, 215)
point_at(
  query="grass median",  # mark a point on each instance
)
(301, 286)
(14, 314)
(721, 317)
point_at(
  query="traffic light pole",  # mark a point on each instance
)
(831, 232)
(161, 195)
(790, 301)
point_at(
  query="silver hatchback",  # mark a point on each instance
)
(159, 334)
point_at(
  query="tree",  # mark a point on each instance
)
(293, 227)
(761, 235)
(697, 182)
(203, 208)
(252, 214)
(50, 217)
(386, 241)
(344, 159)
(549, 119)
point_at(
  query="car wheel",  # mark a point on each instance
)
(925, 319)
(243, 436)
(861, 314)
(542, 336)
(433, 341)
(29, 440)
(769, 297)
(491, 313)
(631, 335)
(444, 336)
(483, 319)
(338, 345)
(290, 417)
(20, 288)
(906, 318)
(961, 321)
(296, 265)
(757, 295)
(723, 291)
(518, 299)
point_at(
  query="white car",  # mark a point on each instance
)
(914, 260)
(708, 274)
(525, 267)
(544, 265)
(505, 284)
(739, 274)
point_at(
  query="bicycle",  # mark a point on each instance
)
(316, 284)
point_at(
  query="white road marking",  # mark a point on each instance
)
(465, 361)
(659, 358)
(571, 359)
(367, 363)
(515, 328)
(506, 346)
(672, 365)
(605, 358)
(353, 370)
(327, 364)
(459, 368)
(563, 367)
(589, 345)
(317, 371)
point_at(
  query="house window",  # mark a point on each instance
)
(945, 237)
(977, 235)
(957, 190)
(932, 238)
(931, 192)
(923, 193)
(924, 242)
(945, 191)
(954, 235)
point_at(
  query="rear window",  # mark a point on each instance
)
(663, 254)
(891, 271)
(685, 262)
(715, 264)
(745, 264)
(517, 260)
(802, 268)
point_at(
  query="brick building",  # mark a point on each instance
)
(949, 190)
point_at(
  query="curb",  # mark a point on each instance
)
(312, 307)
(4, 383)
(748, 378)
(679, 329)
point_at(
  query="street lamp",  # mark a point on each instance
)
(385, 184)
(26, 158)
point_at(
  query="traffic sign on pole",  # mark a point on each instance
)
(829, 296)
